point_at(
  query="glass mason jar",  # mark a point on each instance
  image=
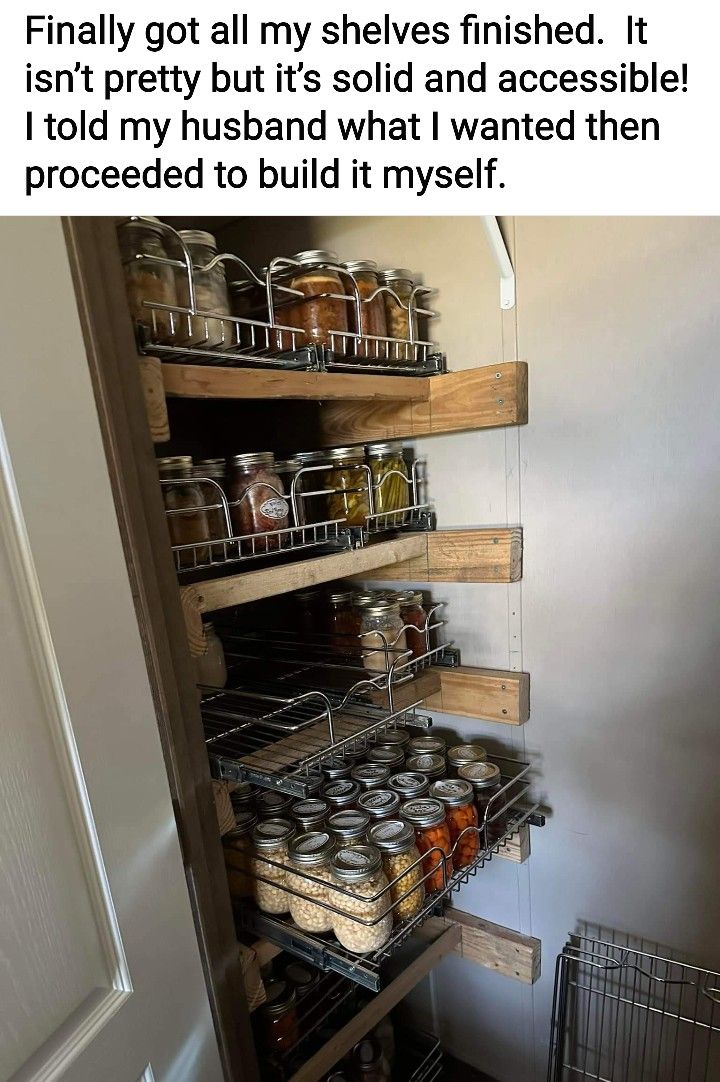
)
(336, 768)
(257, 503)
(287, 470)
(310, 853)
(427, 745)
(427, 817)
(314, 508)
(349, 827)
(397, 318)
(409, 784)
(343, 622)
(341, 794)
(400, 857)
(393, 738)
(187, 522)
(308, 612)
(310, 813)
(391, 491)
(304, 979)
(364, 273)
(432, 765)
(383, 639)
(211, 294)
(370, 776)
(242, 797)
(280, 1023)
(486, 782)
(359, 869)
(210, 667)
(238, 851)
(214, 469)
(416, 622)
(146, 280)
(272, 805)
(270, 843)
(459, 799)
(379, 804)
(325, 310)
(462, 754)
(347, 484)
(391, 756)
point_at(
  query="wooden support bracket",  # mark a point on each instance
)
(517, 847)
(491, 945)
(485, 555)
(486, 694)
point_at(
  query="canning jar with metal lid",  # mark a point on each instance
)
(210, 667)
(343, 622)
(461, 754)
(146, 280)
(402, 282)
(325, 309)
(315, 507)
(347, 485)
(432, 832)
(281, 1027)
(393, 738)
(310, 853)
(186, 519)
(310, 813)
(427, 745)
(391, 489)
(270, 841)
(341, 794)
(364, 273)
(416, 622)
(459, 799)
(358, 868)
(257, 502)
(349, 827)
(391, 757)
(303, 978)
(487, 782)
(431, 765)
(307, 616)
(238, 851)
(370, 776)
(409, 784)
(367, 597)
(379, 804)
(287, 470)
(401, 860)
(336, 768)
(214, 469)
(242, 797)
(211, 293)
(313, 781)
(383, 638)
(272, 805)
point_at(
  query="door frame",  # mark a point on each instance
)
(112, 357)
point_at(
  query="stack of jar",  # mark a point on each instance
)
(339, 483)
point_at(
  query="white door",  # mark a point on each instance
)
(100, 973)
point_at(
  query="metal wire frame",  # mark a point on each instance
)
(331, 993)
(427, 1048)
(626, 1015)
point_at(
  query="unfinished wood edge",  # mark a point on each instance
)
(153, 389)
(492, 946)
(516, 554)
(252, 977)
(521, 392)
(517, 848)
(469, 692)
(191, 607)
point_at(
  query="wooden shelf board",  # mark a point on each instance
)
(491, 945)
(517, 847)
(219, 381)
(486, 555)
(486, 694)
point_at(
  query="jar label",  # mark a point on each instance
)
(340, 788)
(275, 509)
(377, 800)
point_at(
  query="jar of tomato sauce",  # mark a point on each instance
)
(427, 816)
(459, 799)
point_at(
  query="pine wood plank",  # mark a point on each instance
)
(517, 847)
(151, 379)
(491, 945)
(219, 381)
(487, 694)
(493, 554)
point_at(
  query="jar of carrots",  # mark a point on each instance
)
(458, 798)
(432, 833)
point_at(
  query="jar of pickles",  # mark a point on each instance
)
(238, 851)
(416, 622)
(349, 827)
(459, 799)
(370, 776)
(280, 1023)
(427, 745)
(462, 754)
(310, 853)
(271, 838)
(186, 518)
(310, 813)
(314, 508)
(347, 485)
(401, 861)
(325, 309)
(364, 274)
(213, 490)
(409, 784)
(383, 639)
(433, 766)
(432, 833)
(211, 293)
(146, 280)
(341, 794)
(379, 804)
(362, 921)
(397, 317)
(492, 812)
(391, 490)
(257, 503)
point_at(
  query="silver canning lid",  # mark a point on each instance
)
(395, 738)
(315, 257)
(279, 997)
(365, 597)
(341, 793)
(466, 753)
(452, 791)
(409, 784)
(427, 745)
(480, 775)
(396, 274)
(336, 768)
(337, 597)
(379, 803)
(174, 462)
(424, 812)
(153, 224)
(358, 266)
(346, 454)
(243, 794)
(311, 458)
(244, 823)
(379, 450)
(370, 775)
(430, 764)
(287, 465)
(254, 458)
(382, 606)
(197, 236)
(271, 804)
(349, 824)
(313, 848)
(387, 756)
(270, 833)
(314, 593)
(201, 469)
(314, 781)
(393, 836)
(354, 863)
(309, 812)
(411, 597)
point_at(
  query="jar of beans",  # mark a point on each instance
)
(370, 776)
(238, 850)
(402, 866)
(349, 827)
(310, 813)
(341, 794)
(459, 799)
(380, 804)
(310, 853)
(362, 921)
(270, 843)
